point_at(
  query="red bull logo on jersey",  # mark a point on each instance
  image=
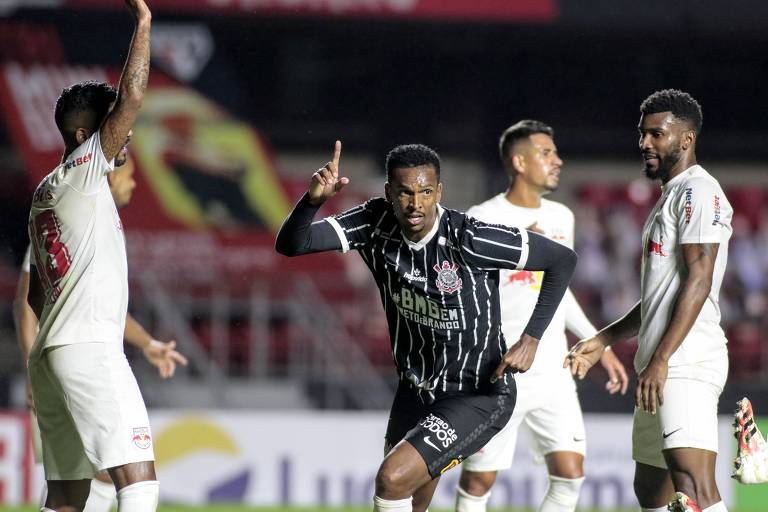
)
(141, 437)
(523, 277)
(448, 280)
(656, 248)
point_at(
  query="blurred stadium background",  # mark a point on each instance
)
(284, 403)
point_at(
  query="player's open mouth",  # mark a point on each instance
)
(414, 221)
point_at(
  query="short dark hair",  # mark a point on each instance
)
(411, 155)
(88, 96)
(681, 104)
(519, 131)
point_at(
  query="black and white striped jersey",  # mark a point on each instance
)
(440, 294)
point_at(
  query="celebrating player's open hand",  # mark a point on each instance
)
(164, 356)
(326, 182)
(518, 358)
(583, 356)
(138, 8)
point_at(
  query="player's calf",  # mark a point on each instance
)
(67, 495)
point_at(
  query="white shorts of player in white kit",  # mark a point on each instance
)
(550, 409)
(688, 417)
(89, 409)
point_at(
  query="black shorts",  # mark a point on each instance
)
(450, 429)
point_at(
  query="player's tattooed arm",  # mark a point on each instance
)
(697, 283)
(133, 83)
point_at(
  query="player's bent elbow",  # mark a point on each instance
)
(286, 248)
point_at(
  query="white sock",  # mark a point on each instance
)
(139, 497)
(717, 507)
(381, 505)
(466, 502)
(44, 495)
(660, 509)
(101, 498)
(562, 494)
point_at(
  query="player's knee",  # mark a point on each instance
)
(564, 491)
(392, 482)
(477, 483)
(139, 497)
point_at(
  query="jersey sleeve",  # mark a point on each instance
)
(575, 319)
(86, 166)
(702, 212)
(356, 226)
(493, 245)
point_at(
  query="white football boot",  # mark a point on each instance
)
(751, 463)
(682, 503)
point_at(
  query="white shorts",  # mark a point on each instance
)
(550, 409)
(89, 409)
(688, 419)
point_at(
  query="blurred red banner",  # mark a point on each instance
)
(208, 198)
(476, 10)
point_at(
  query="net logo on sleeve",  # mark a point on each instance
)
(716, 220)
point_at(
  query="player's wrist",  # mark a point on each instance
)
(153, 344)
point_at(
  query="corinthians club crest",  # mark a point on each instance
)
(448, 281)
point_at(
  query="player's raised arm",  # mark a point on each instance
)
(298, 235)
(133, 82)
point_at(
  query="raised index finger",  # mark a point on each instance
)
(336, 154)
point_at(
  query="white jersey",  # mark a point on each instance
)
(692, 209)
(519, 289)
(78, 249)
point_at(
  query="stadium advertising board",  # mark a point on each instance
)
(330, 459)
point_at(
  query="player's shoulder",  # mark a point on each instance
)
(377, 204)
(487, 209)
(697, 179)
(555, 207)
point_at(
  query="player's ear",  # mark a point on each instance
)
(388, 192)
(518, 163)
(439, 191)
(81, 135)
(689, 139)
